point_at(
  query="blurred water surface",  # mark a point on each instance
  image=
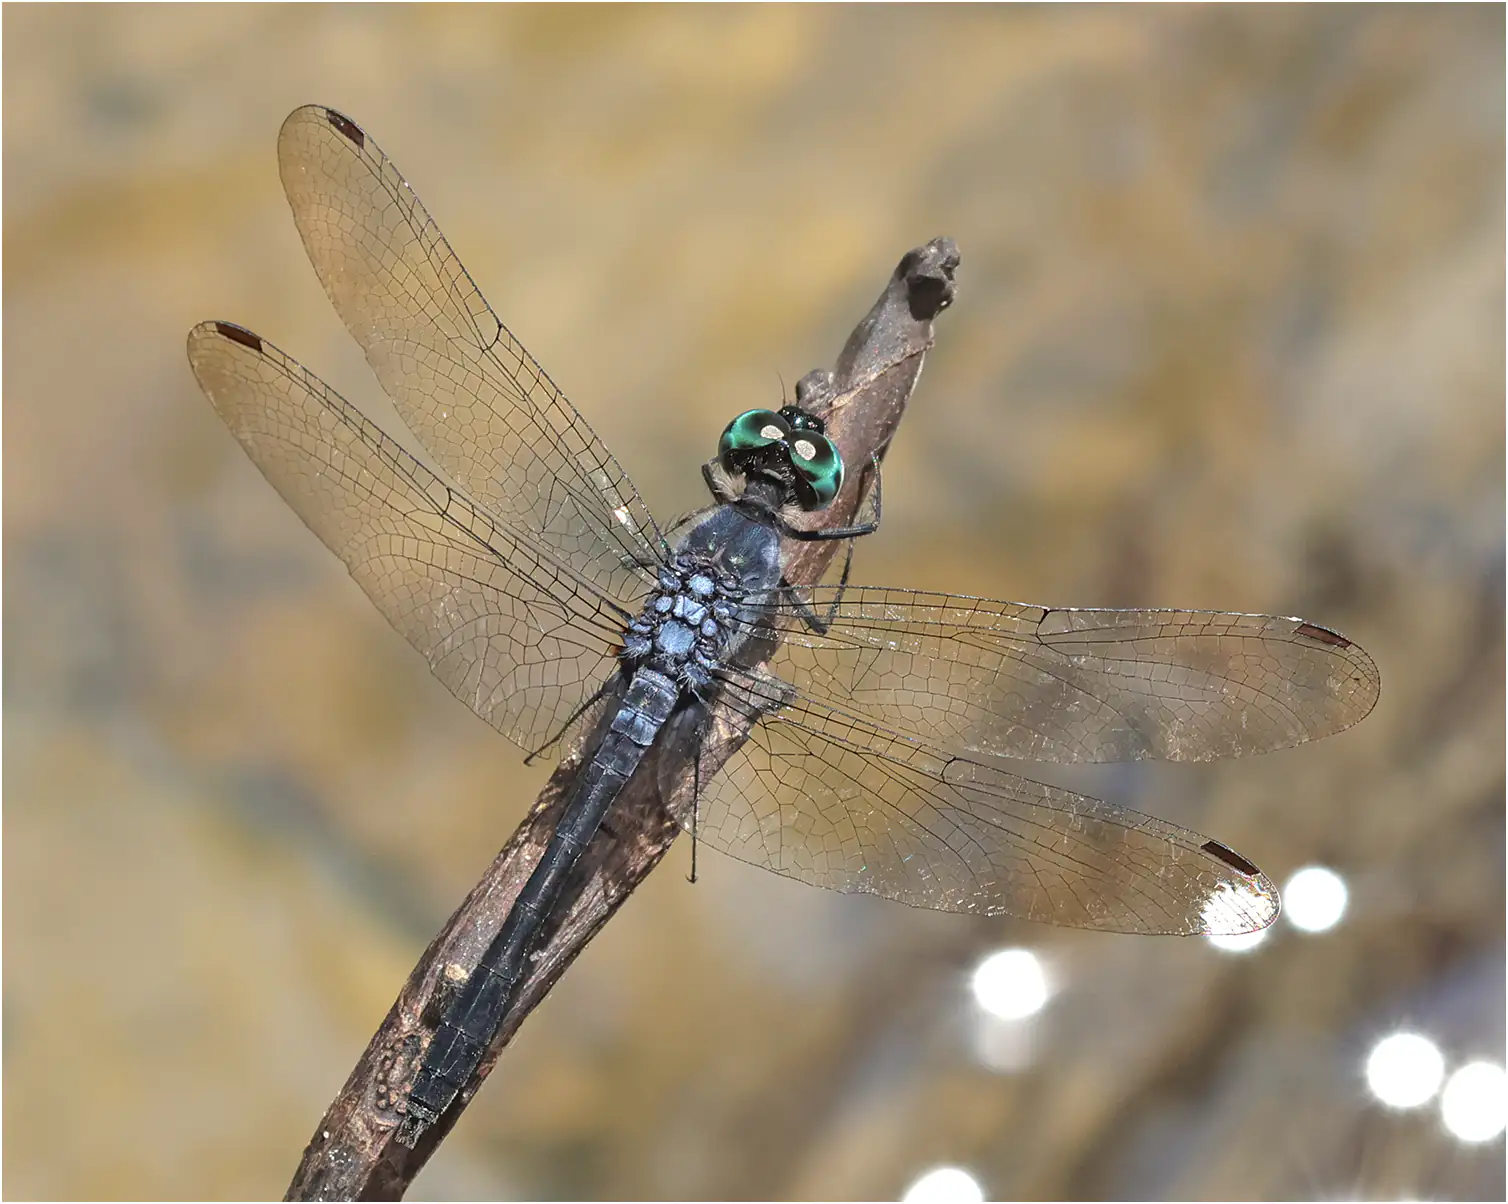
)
(1230, 334)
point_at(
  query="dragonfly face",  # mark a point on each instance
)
(786, 448)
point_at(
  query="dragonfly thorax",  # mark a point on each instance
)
(686, 623)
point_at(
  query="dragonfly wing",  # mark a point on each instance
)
(476, 400)
(829, 799)
(519, 638)
(1005, 679)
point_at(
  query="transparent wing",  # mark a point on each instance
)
(518, 637)
(843, 782)
(1004, 679)
(830, 799)
(473, 396)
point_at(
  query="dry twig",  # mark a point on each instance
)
(354, 1153)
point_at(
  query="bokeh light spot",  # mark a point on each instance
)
(1473, 1102)
(1011, 984)
(1405, 1070)
(1241, 942)
(944, 1185)
(1314, 899)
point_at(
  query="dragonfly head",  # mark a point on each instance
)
(787, 447)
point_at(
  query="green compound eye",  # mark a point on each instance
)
(748, 432)
(813, 456)
(819, 468)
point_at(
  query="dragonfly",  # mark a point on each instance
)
(882, 728)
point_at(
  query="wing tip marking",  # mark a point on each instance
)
(239, 334)
(1231, 858)
(346, 127)
(1322, 635)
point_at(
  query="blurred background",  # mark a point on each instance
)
(1229, 335)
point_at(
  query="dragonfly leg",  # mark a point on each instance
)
(723, 496)
(602, 692)
(720, 492)
(696, 806)
(809, 616)
(821, 623)
(850, 532)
